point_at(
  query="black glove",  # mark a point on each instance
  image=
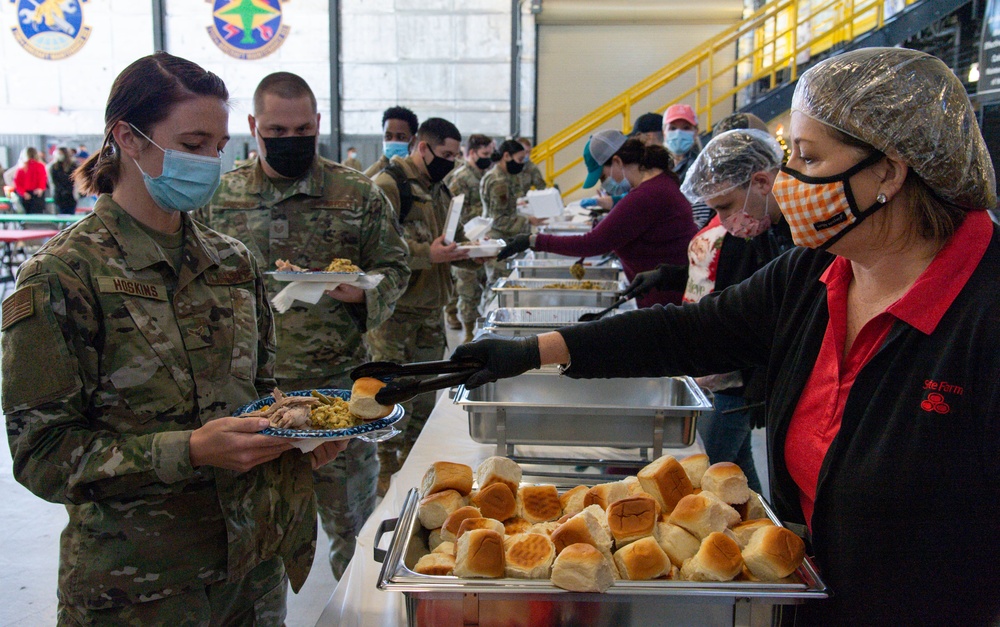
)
(664, 277)
(501, 357)
(519, 244)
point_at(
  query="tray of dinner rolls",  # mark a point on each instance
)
(680, 527)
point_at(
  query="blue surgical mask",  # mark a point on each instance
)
(395, 149)
(679, 142)
(187, 181)
(616, 188)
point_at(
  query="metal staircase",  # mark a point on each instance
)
(751, 66)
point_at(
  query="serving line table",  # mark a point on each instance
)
(356, 602)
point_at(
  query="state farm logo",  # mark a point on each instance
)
(936, 401)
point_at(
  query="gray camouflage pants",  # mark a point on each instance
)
(345, 488)
(257, 599)
(409, 336)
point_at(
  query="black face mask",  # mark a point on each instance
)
(439, 168)
(290, 156)
(483, 162)
(513, 167)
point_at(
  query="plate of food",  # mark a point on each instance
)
(483, 247)
(311, 417)
(337, 271)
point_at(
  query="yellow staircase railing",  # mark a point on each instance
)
(771, 43)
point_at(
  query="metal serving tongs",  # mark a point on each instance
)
(401, 380)
(597, 315)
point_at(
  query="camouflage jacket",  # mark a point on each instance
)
(332, 212)
(110, 360)
(497, 190)
(465, 180)
(530, 177)
(377, 167)
(430, 284)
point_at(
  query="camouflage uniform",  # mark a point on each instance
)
(469, 283)
(377, 167)
(110, 360)
(498, 192)
(353, 163)
(415, 332)
(330, 212)
(529, 178)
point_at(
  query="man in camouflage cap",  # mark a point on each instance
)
(465, 180)
(289, 203)
(415, 332)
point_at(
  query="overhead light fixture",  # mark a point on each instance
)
(974, 73)
(536, 6)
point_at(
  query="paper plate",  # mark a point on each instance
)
(308, 439)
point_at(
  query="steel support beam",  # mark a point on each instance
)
(334, 112)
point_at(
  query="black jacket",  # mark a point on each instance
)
(906, 528)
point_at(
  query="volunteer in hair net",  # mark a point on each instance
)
(879, 338)
(734, 176)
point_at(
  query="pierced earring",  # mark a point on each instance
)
(882, 199)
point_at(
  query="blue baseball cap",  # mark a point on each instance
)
(601, 146)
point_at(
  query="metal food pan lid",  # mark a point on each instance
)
(396, 576)
(553, 317)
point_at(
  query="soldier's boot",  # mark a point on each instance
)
(470, 331)
(451, 317)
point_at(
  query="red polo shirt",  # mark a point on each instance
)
(817, 416)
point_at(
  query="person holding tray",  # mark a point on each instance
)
(878, 336)
(129, 343)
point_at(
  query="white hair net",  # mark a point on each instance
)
(728, 162)
(909, 105)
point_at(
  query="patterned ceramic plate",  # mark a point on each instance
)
(374, 431)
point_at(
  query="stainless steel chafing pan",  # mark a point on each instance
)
(448, 600)
(559, 269)
(540, 293)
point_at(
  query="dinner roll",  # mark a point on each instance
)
(363, 403)
(437, 564)
(471, 524)
(745, 530)
(572, 500)
(703, 514)
(633, 485)
(499, 470)
(443, 476)
(727, 481)
(480, 554)
(666, 481)
(434, 539)
(582, 568)
(538, 503)
(642, 559)
(695, 466)
(604, 494)
(676, 542)
(583, 528)
(774, 553)
(718, 559)
(755, 507)
(496, 501)
(632, 518)
(449, 530)
(545, 528)
(447, 548)
(433, 510)
(515, 525)
(529, 556)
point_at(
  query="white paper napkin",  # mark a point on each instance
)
(310, 291)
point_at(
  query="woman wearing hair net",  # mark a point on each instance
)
(879, 338)
(734, 176)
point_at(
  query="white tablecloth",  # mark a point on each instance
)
(357, 602)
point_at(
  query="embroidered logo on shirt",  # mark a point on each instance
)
(935, 401)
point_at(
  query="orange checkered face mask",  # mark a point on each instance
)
(821, 210)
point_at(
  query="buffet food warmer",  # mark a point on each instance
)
(519, 321)
(604, 270)
(542, 407)
(556, 293)
(443, 601)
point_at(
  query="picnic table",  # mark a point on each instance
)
(60, 219)
(9, 239)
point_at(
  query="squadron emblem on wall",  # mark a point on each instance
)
(247, 29)
(50, 29)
